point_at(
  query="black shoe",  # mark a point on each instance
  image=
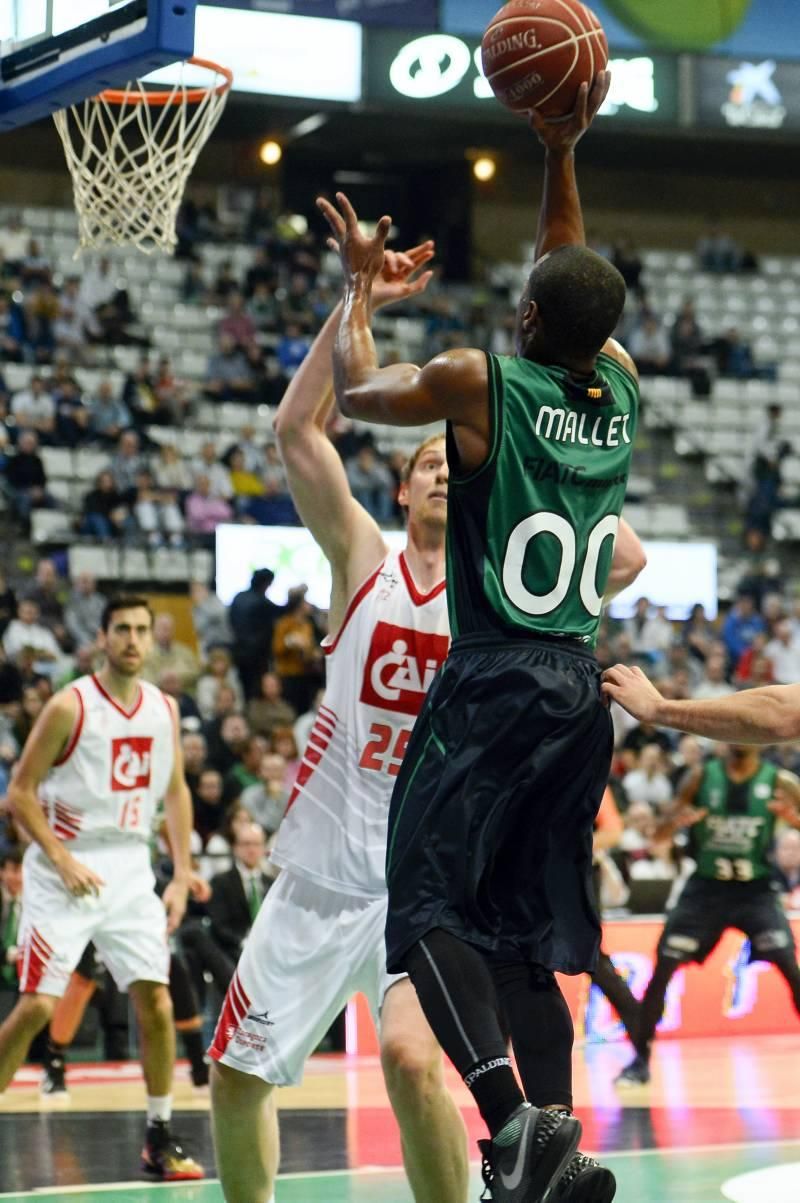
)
(585, 1181)
(635, 1074)
(54, 1080)
(528, 1170)
(163, 1159)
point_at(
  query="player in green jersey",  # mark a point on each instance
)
(730, 807)
(490, 831)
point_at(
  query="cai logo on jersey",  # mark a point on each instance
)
(400, 667)
(130, 762)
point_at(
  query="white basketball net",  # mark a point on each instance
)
(130, 160)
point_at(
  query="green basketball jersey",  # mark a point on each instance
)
(732, 842)
(530, 534)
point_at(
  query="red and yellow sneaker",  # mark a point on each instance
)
(164, 1160)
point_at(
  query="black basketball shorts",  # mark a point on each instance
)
(705, 911)
(490, 825)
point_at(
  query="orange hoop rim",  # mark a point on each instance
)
(159, 98)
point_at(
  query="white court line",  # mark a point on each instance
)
(96, 1187)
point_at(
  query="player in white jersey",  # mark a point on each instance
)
(318, 938)
(102, 755)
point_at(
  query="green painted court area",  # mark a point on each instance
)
(763, 1173)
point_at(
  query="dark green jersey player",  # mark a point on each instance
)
(530, 534)
(730, 807)
(489, 859)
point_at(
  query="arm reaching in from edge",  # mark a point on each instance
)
(178, 816)
(560, 216)
(754, 716)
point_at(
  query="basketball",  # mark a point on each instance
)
(682, 24)
(537, 53)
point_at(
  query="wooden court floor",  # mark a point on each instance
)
(720, 1121)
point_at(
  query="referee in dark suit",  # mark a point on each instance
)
(237, 894)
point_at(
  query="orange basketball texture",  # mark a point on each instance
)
(537, 53)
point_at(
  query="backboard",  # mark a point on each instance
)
(53, 53)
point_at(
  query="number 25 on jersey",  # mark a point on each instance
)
(384, 752)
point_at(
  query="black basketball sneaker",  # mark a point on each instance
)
(528, 1169)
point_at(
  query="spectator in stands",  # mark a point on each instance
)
(210, 617)
(10, 914)
(735, 358)
(245, 482)
(219, 669)
(237, 323)
(768, 450)
(108, 415)
(649, 344)
(72, 319)
(688, 755)
(84, 611)
(12, 331)
(783, 650)
(158, 515)
(225, 282)
(171, 682)
(105, 512)
(72, 415)
(227, 733)
(786, 872)
(195, 757)
(267, 800)
(194, 289)
(33, 408)
(171, 473)
(650, 631)
(26, 633)
(371, 483)
(8, 607)
(32, 706)
(270, 709)
(698, 633)
(25, 477)
(253, 616)
(292, 349)
(713, 684)
(141, 398)
(688, 350)
(741, 626)
(244, 770)
(296, 306)
(208, 807)
(264, 308)
(640, 825)
(261, 273)
(751, 664)
(296, 651)
(628, 262)
(13, 242)
(252, 450)
(261, 219)
(204, 511)
(237, 894)
(218, 475)
(282, 743)
(128, 463)
(169, 653)
(49, 593)
(716, 251)
(648, 782)
(230, 375)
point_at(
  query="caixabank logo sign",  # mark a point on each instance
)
(755, 99)
(749, 94)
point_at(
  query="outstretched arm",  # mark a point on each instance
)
(754, 716)
(348, 536)
(560, 215)
(454, 385)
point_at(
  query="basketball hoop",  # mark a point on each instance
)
(130, 153)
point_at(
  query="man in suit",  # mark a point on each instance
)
(10, 907)
(237, 894)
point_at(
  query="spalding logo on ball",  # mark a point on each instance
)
(681, 24)
(537, 53)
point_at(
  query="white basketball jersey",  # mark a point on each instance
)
(380, 666)
(115, 769)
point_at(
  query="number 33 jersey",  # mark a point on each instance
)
(115, 768)
(380, 666)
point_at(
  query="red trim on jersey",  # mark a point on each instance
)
(311, 758)
(234, 1010)
(355, 602)
(117, 706)
(76, 732)
(419, 599)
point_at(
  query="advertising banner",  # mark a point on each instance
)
(748, 94)
(421, 14)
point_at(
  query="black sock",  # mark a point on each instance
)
(456, 992)
(194, 1048)
(653, 1004)
(541, 1031)
(54, 1053)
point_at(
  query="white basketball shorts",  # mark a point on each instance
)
(127, 921)
(310, 950)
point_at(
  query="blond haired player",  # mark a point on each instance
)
(102, 755)
(318, 938)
